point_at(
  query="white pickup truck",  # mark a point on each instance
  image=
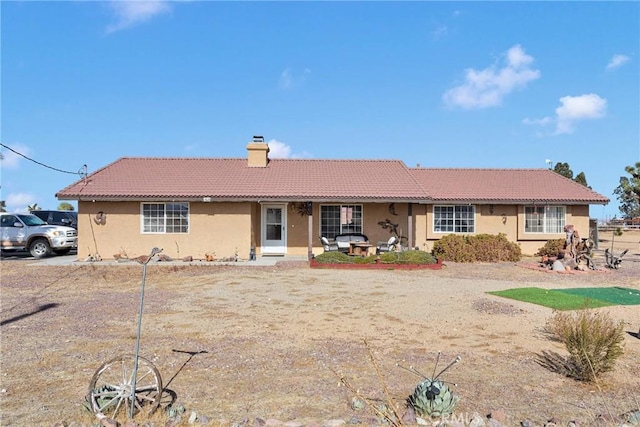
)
(30, 233)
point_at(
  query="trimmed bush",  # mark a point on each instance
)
(405, 257)
(477, 248)
(594, 342)
(551, 248)
(334, 257)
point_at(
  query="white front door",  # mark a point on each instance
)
(274, 229)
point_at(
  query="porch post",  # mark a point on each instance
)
(410, 225)
(310, 231)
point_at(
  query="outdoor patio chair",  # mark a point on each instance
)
(387, 246)
(328, 246)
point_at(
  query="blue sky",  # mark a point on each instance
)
(440, 84)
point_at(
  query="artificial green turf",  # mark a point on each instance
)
(552, 298)
(615, 295)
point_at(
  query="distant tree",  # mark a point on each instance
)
(582, 179)
(3, 206)
(628, 192)
(565, 170)
(33, 207)
(65, 206)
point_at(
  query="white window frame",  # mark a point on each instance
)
(459, 219)
(165, 218)
(545, 219)
(349, 219)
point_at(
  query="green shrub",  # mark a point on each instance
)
(594, 342)
(405, 257)
(478, 248)
(551, 248)
(334, 257)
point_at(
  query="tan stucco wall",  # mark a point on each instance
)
(214, 227)
(224, 228)
(505, 219)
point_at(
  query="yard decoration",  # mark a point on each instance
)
(128, 379)
(578, 251)
(612, 260)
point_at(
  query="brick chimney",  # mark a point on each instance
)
(258, 152)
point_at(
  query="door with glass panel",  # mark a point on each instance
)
(274, 229)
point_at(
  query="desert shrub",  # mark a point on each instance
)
(551, 248)
(493, 248)
(452, 247)
(594, 341)
(478, 248)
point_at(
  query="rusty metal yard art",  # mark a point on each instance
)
(611, 259)
(127, 383)
(578, 251)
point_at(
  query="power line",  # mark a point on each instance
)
(81, 172)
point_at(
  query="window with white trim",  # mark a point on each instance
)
(339, 219)
(544, 219)
(454, 219)
(165, 217)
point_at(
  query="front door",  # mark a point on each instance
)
(274, 228)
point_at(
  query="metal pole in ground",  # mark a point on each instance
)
(144, 260)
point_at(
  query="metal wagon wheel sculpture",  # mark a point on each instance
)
(128, 383)
(114, 389)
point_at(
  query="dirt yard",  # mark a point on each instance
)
(273, 339)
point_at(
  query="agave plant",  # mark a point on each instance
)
(432, 397)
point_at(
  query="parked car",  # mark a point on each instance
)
(66, 218)
(30, 233)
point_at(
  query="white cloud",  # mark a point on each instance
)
(488, 87)
(280, 150)
(617, 61)
(576, 108)
(538, 122)
(288, 80)
(130, 13)
(11, 160)
(18, 202)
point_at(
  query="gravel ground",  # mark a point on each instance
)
(272, 342)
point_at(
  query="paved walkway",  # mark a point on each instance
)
(260, 261)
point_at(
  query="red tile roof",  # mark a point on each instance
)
(321, 180)
(232, 179)
(504, 186)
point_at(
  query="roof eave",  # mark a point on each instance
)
(255, 198)
(521, 201)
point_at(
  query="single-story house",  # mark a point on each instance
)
(230, 207)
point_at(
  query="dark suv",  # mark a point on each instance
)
(67, 218)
